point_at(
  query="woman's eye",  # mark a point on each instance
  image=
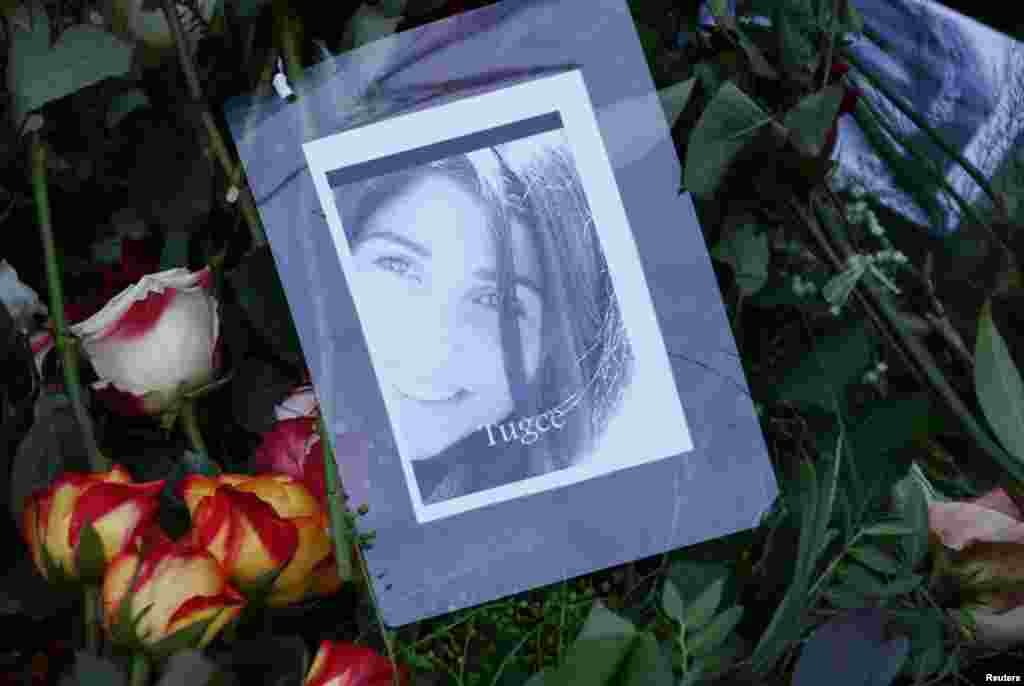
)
(398, 265)
(517, 305)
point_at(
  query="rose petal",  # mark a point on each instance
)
(1000, 501)
(958, 524)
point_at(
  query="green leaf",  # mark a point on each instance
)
(728, 124)
(852, 20)
(671, 601)
(82, 56)
(693, 675)
(603, 623)
(820, 378)
(859, 580)
(369, 23)
(999, 385)
(844, 599)
(646, 666)
(876, 559)
(808, 541)
(913, 505)
(888, 529)
(703, 609)
(907, 584)
(599, 651)
(124, 104)
(94, 671)
(830, 482)
(716, 632)
(797, 51)
(674, 99)
(90, 559)
(810, 119)
(746, 250)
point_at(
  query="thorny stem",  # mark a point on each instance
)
(98, 462)
(234, 173)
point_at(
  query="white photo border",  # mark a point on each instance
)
(657, 425)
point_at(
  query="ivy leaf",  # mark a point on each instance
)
(810, 119)
(999, 385)
(674, 99)
(728, 124)
(82, 56)
(746, 250)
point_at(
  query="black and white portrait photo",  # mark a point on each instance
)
(490, 312)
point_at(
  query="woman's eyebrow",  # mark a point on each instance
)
(525, 281)
(415, 247)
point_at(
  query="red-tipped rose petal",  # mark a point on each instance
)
(228, 598)
(205, 278)
(214, 515)
(140, 317)
(360, 666)
(99, 499)
(279, 536)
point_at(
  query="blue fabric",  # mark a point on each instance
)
(965, 79)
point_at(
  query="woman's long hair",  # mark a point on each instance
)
(586, 358)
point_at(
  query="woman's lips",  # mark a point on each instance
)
(429, 397)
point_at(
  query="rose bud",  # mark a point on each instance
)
(54, 519)
(154, 341)
(259, 526)
(293, 447)
(983, 541)
(184, 585)
(346, 664)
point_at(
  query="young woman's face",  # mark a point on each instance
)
(427, 265)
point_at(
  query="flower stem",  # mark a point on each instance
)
(140, 670)
(91, 615)
(246, 203)
(97, 461)
(920, 122)
(206, 464)
(339, 524)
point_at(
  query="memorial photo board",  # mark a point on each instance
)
(507, 308)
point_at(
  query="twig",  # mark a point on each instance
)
(98, 462)
(886, 321)
(234, 173)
